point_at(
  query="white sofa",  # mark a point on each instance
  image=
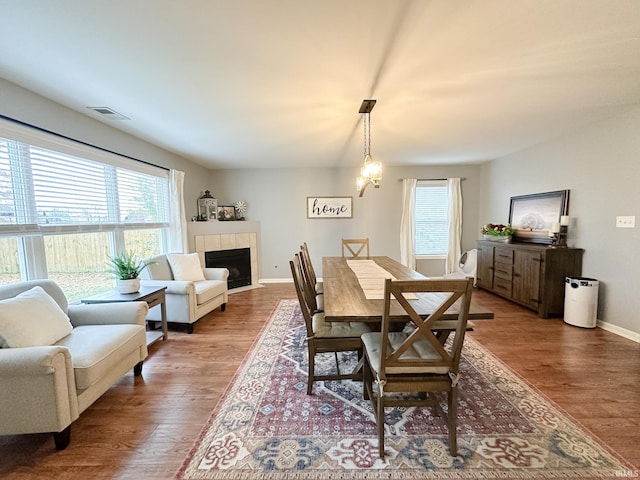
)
(191, 293)
(44, 388)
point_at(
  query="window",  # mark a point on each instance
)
(9, 261)
(65, 208)
(431, 217)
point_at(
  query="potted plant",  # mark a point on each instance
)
(497, 232)
(126, 267)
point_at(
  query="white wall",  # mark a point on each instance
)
(277, 198)
(28, 107)
(601, 167)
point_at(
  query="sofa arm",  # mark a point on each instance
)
(108, 313)
(216, 273)
(38, 391)
(30, 360)
(174, 287)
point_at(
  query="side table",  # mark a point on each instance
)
(152, 295)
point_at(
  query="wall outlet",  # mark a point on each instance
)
(626, 222)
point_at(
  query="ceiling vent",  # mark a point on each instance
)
(107, 112)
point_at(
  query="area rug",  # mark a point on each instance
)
(267, 427)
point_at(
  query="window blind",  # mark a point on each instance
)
(46, 191)
(431, 217)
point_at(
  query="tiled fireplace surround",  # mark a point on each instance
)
(214, 236)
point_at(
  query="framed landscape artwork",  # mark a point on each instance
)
(532, 215)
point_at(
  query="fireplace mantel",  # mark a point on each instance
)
(213, 236)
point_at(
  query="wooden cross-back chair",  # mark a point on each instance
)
(314, 300)
(309, 271)
(325, 336)
(355, 247)
(416, 360)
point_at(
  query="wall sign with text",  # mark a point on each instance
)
(329, 207)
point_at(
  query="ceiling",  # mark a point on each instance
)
(278, 83)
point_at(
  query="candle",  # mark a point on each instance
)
(555, 227)
(564, 220)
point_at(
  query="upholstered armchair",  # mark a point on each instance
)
(192, 291)
(57, 359)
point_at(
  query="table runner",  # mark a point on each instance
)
(371, 277)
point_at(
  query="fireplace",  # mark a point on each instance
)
(237, 261)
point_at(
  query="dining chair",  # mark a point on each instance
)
(305, 258)
(326, 337)
(314, 300)
(355, 247)
(409, 367)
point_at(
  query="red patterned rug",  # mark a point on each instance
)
(266, 426)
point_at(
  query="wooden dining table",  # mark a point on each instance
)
(345, 300)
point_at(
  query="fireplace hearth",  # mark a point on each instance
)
(237, 261)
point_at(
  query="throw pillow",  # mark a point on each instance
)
(32, 319)
(185, 266)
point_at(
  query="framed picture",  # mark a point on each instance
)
(225, 212)
(329, 207)
(532, 215)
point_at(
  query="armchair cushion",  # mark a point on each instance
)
(32, 319)
(209, 289)
(98, 349)
(185, 266)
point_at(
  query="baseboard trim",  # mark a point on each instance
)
(623, 332)
(276, 280)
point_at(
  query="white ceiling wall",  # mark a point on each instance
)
(278, 83)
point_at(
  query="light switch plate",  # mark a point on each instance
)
(626, 221)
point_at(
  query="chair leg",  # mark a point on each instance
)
(452, 417)
(62, 438)
(335, 354)
(380, 422)
(223, 307)
(312, 360)
(137, 369)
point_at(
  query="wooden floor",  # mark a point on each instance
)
(144, 427)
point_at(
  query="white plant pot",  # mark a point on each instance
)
(128, 286)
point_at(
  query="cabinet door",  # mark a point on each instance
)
(484, 274)
(527, 266)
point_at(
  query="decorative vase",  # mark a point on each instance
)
(128, 286)
(496, 238)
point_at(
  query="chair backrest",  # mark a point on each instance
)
(298, 282)
(309, 286)
(50, 286)
(158, 268)
(355, 247)
(422, 352)
(305, 258)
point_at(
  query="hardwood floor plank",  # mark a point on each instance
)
(144, 427)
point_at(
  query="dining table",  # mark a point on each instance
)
(360, 298)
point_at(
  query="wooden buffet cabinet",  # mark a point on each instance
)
(530, 274)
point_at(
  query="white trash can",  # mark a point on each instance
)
(581, 301)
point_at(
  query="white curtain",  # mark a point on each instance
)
(177, 220)
(408, 223)
(455, 224)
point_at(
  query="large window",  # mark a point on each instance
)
(431, 217)
(64, 211)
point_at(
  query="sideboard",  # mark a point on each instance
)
(529, 274)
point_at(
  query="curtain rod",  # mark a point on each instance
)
(81, 142)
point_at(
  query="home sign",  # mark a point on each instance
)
(329, 207)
